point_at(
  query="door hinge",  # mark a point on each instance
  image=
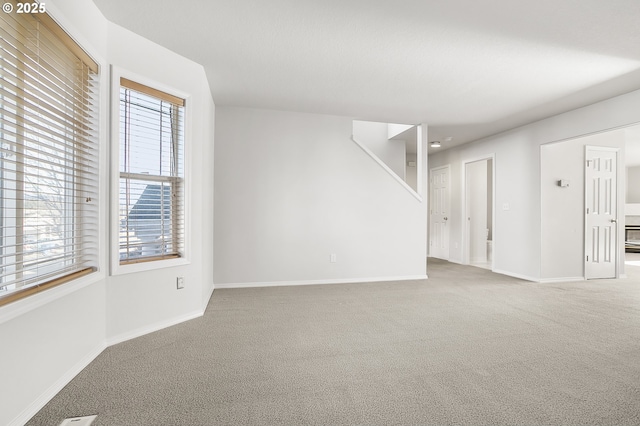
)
(587, 258)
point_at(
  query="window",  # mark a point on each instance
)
(151, 217)
(48, 157)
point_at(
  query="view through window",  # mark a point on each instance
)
(151, 218)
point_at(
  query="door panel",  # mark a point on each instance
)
(439, 237)
(601, 213)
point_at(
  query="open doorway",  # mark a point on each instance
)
(631, 216)
(479, 212)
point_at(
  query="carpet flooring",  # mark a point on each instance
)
(465, 347)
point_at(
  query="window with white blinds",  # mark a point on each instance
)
(151, 213)
(48, 156)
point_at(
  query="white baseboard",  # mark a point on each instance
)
(53, 390)
(152, 327)
(560, 280)
(541, 280)
(439, 258)
(514, 275)
(316, 282)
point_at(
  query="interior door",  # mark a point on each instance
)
(601, 203)
(439, 237)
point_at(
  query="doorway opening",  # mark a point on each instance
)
(631, 218)
(479, 212)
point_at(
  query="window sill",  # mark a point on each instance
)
(118, 269)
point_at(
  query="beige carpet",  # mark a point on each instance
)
(465, 347)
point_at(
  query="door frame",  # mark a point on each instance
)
(466, 246)
(616, 234)
(448, 168)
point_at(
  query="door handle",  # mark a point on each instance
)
(446, 218)
(614, 221)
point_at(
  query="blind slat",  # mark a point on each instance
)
(48, 113)
(65, 43)
(55, 79)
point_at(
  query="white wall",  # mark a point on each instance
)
(633, 185)
(490, 198)
(292, 188)
(562, 226)
(517, 242)
(45, 347)
(411, 173)
(129, 312)
(48, 338)
(206, 231)
(375, 136)
(395, 129)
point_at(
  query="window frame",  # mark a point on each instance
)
(21, 301)
(152, 263)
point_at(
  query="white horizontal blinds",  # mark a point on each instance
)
(151, 214)
(48, 156)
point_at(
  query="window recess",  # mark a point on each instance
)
(48, 156)
(151, 174)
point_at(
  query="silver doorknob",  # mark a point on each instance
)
(446, 218)
(613, 221)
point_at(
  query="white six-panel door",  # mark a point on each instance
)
(439, 236)
(601, 203)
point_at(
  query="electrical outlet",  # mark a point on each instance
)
(333, 258)
(180, 283)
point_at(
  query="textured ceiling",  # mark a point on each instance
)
(468, 68)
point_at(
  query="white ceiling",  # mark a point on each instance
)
(468, 68)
